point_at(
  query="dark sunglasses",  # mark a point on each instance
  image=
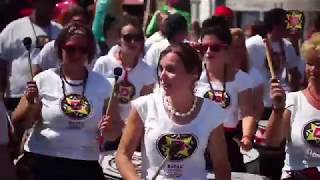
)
(212, 47)
(132, 37)
(71, 49)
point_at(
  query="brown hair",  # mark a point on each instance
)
(73, 29)
(189, 57)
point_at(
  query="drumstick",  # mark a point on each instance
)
(117, 72)
(269, 59)
(164, 161)
(173, 148)
(27, 41)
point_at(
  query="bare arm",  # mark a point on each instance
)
(147, 89)
(278, 128)
(29, 105)
(130, 140)
(279, 122)
(25, 109)
(112, 125)
(248, 119)
(218, 152)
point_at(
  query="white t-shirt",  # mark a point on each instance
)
(3, 124)
(70, 125)
(153, 54)
(155, 38)
(303, 146)
(48, 57)
(141, 75)
(187, 162)
(241, 82)
(13, 50)
(256, 77)
(257, 58)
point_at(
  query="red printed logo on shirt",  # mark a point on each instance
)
(311, 133)
(220, 97)
(125, 91)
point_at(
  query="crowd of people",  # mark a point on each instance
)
(189, 100)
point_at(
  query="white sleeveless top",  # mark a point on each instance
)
(303, 146)
(160, 132)
(70, 126)
(241, 82)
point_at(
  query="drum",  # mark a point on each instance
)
(251, 160)
(240, 176)
(260, 141)
(108, 164)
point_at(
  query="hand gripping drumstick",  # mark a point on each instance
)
(269, 59)
(173, 148)
(27, 41)
(117, 72)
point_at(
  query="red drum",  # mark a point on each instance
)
(108, 164)
(260, 140)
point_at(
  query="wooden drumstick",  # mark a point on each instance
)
(117, 72)
(173, 148)
(269, 59)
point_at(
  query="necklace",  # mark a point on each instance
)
(64, 80)
(225, 99)
(179, 114)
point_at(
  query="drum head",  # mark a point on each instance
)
(108, 164)
(249, 156)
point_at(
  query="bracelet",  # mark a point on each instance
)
(247, 136)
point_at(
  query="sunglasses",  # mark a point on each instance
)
(72, 49)
(212, 47)
(132, 37)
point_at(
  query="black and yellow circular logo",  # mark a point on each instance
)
(311, 133)
(220, 97)
(125, 92)
(177, 146)
(76, 106)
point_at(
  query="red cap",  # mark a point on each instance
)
(223, 11)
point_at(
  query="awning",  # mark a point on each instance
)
(133, 2)
(264, 5)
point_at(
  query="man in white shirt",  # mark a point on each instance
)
(14, 56)
(285, 62)
(13, 53)
(159, 35)
(175, 31)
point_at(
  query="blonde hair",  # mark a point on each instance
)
(237, 34)
(311, 47)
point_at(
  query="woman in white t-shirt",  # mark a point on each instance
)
(174, 126)
(137, 77)
(296, 118)
(66, 106)
(228, 86)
